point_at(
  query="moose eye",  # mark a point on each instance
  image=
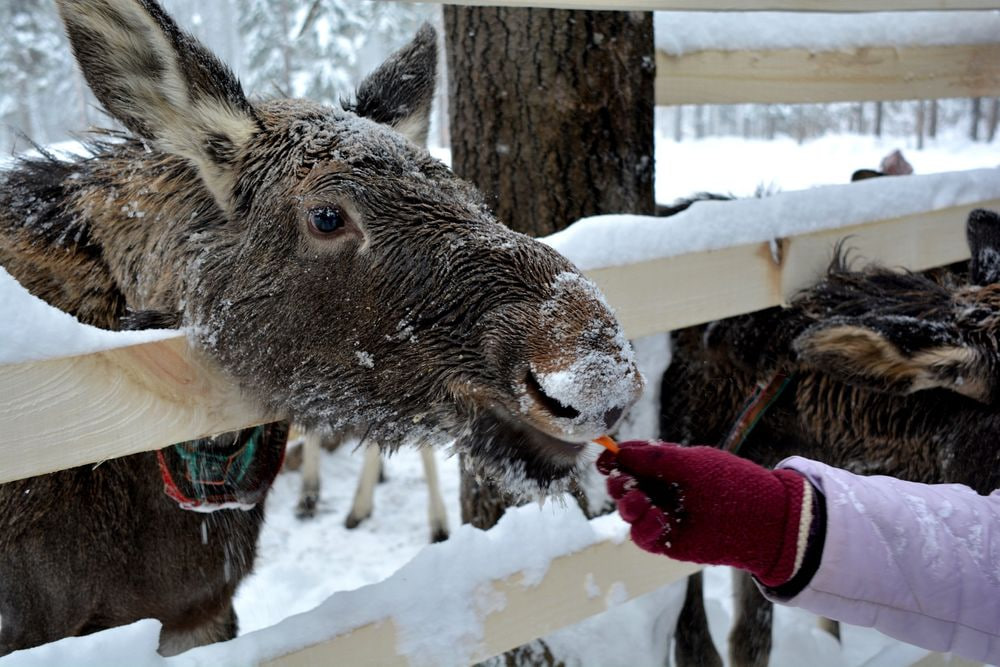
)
(325, 221)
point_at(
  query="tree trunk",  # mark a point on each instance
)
(932, 121)
(993, 119)
(284, 16)
(699, 122)
(878, 118)
(921, 115)
(552, 111)
(977, 112)
(678, 123)
(25, 112)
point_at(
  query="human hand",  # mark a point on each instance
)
(704, 505)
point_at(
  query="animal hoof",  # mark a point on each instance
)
(306, 508)
(352, 522)
(439, 535)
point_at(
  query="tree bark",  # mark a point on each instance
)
(878, 119)
(932, 121)
(552, 111)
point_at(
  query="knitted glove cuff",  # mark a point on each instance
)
(798, 520)
(813, 555)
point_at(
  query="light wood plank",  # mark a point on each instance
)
(738, 5)
(620, 571)
(67, 412)
(671, 293)
(799, 75)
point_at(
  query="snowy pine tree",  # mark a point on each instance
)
(320, 49)
(36, 71)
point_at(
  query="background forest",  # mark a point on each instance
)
(320, 49)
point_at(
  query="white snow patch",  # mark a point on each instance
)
(33, 330)
(460, 567)
(734, 165)
(133, 645)
(365, 359)
(617, 594)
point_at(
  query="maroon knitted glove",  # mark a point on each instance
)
(705, 505)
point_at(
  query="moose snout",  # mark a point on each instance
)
(579, 375)
(580, 399)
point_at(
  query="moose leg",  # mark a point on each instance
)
(693, 645)
(177, 639)
(750, 638)
(364, 496)
(309, 495)
(437, 515)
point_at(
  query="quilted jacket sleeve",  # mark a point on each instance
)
(918, 562)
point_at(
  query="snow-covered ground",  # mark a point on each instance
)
(301, 563)
(738, 166)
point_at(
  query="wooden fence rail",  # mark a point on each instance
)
(793, 76)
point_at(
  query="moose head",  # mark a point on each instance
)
(331, 266)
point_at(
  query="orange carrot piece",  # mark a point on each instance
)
(608, 443)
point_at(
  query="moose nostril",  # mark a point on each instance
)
(612, 416)
(552, 405)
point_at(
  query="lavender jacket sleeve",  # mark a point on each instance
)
(918, 562)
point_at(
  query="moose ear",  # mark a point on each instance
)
(983, 233)
(162, 84)
(896, 354)
(400, 91)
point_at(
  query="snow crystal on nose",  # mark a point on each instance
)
(603, 374)
(594, 384)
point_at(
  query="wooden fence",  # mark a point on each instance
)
(66, 412)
